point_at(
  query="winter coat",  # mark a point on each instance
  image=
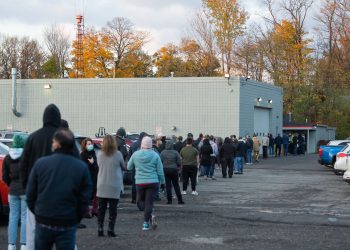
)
(122, 147)
(148, 166)
(39, 143)
(59, 189)
(11, 172)
(256, 144)
(170, 158)
(205, 154)
(227, 151)
(278, 140)
(110, 175)
(241, 149)
(249, 143)
(93, 168)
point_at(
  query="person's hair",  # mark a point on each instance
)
(227, 140)
(180, 138)
(189, 141)
(109, 145)
(84, 142)
(200, 135)
(65, 138)
(206, 142)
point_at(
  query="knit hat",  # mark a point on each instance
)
(19, 140)
(146, 142)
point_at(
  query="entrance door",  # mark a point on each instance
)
(261, 121)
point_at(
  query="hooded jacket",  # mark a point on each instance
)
(11, 172)
(39, 143)
(170, 157)
(205, 154)
(148, 166)
(227, 151)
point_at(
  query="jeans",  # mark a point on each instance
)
(249, 156)
(239, 164)
(189, 172)
(172, 177)
(271, 150)
(226, 164)
(102, 207)
(265, 152)
(212, 169)
(45, 238)
(206, 170)
(145, 198)
(278, 150)
(285, 149)
(18, 208)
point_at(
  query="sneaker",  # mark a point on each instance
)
(213, 178)
(154, 222)
(145, 226)
(194, 193)
(11, 247)
(183, 192)
(23, 247)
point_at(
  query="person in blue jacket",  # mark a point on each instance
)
(148, 174)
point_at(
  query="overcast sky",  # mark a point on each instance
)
(166, 20)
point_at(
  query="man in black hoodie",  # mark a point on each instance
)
(58, 200)
(38, 145)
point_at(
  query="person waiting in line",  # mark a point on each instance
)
(190, 164)
(213, 156)
(58, 208)
(295, 144)
(278, 143)
(265, 145)
(205, 156)
(109, 183)
(285, 141)
(271, 145)
(249, 144)
(149, 174)
(88, 156)
(179, 144)
(240, 152)
(227, 154)
(17, 198)
(171, 160)
(256, 148)
(39, 144)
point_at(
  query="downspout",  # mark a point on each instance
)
(14, 92)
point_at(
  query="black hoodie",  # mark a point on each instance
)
(39, 143)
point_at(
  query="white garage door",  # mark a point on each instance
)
(261, 121)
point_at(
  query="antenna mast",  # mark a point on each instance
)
(79, 61)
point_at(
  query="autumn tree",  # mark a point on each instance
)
(201, 32)
(167, 59)
(97, 59)
(287, 50)
(58, 44)
(123, 39)
(228, 19)
(8, 55)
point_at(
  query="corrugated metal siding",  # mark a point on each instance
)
(249, 92)
(191, 104)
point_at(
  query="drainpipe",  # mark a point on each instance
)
(14, 92)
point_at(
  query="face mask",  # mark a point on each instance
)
(90, 147)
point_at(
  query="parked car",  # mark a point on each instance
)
(9, 134)
(346, 176)
(342, 162)
(327, 154)
(4, 190)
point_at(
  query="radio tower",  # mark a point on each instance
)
(79, 63)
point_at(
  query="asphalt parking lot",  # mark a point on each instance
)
(283, 203)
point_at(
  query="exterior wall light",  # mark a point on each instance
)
(47, 86)
(269, 101)
(247, 78)
(259, 99)
(173, 128)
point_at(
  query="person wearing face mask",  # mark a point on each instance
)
(88, 155)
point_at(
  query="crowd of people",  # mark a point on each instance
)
(51, 203)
